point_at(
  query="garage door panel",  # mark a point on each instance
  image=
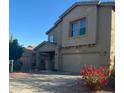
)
(73, 62)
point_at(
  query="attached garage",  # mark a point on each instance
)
(74, 62)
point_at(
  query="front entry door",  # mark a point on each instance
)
(44, 63)
(47, 61)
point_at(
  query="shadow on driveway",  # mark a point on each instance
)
(49, 83)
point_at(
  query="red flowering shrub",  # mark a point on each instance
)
(95, 78)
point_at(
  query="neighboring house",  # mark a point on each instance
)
(27, 59)
(83, 35)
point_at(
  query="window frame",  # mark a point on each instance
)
(77, 28)
(51, 36)
(82, 27)
(78, 22)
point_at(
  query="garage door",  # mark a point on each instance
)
(73, 62)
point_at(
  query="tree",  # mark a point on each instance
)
(15, 50)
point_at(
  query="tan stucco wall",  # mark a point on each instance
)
(100, 30)
(112, 48)
(86, 54)
(113, 33)
(56, 32)
(90, 13)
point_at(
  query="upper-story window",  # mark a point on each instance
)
(51, 38)
(82, 27)
(78, 28)
(74, 29)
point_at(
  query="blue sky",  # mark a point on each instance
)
(30, 19)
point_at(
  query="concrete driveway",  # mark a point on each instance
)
(42, 83)
(47, 83)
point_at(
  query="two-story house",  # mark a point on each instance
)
(83, 35)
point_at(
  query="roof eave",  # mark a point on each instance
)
(107, 3)
(55, 24)
(77, 4)
(39, 45)
(69, 9)
(97, 2)
(50, 29)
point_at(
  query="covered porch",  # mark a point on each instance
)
(47, 56)
(46, 60)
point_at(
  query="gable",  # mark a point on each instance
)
(89, 12)
(45, 47)
(87, 3)
(81, 3)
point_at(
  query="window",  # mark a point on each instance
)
(74, 29)
(51, 39)
(78, 28)
(82, 27)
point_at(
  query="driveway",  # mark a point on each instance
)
(47, 83)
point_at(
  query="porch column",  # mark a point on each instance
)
(37, 59)
(47, 62)
(57, 59)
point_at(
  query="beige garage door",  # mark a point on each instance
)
(74, 62)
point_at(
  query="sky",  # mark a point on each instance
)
(30, 19)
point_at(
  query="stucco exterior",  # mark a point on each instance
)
(96, 47)
(90, 14)
(57, 33)
(98, 54)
